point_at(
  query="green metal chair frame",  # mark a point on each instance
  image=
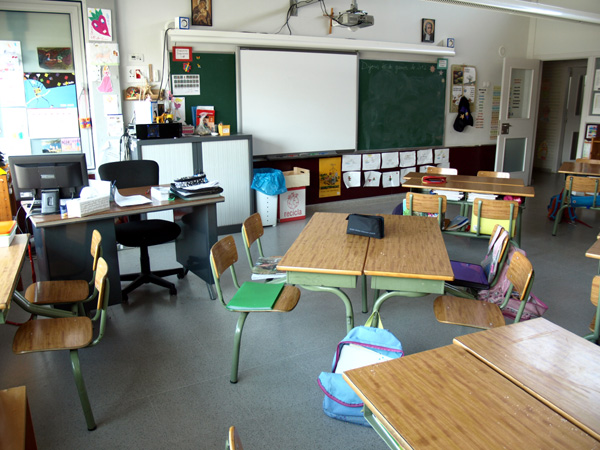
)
(427, 203)
(223, 256)
(586, 185)
(54, 334)
(594, 297)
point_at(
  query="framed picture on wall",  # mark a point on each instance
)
(202, 12)
(427, 30)
(182, 53)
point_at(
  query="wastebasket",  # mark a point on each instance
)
(268, 184)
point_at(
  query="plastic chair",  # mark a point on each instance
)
(141, 233)
(233, 442)
(595, 325)
(427, 204)
(576, 187)
(252, 231)
(442, 170)
(68, 292)
(223, 255)
(492, 174)
(482, 314)
(69, 333)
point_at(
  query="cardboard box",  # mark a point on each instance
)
(297, 177)
(292, 204)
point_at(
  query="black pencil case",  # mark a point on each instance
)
(363, 225)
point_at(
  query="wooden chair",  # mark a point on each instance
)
(223, 256)
(442, 170)
(482, 314)
(488, 213)
(427, 204)
(252, 231)
(578, 187)
(69, 333)
(492, 174)
(595, 325)
(68, 292)
(233, 442)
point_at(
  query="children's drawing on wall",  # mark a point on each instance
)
(425, 156)
(50, 90)
(329, 177)
(408, 158)
(178, 109)
(389, 160)
(100, 24)
(106, 84)
(202, 12)
(371, 161)
(390, 179)
(55, 58)
(372, 178)
(350, 162)
(351, 179)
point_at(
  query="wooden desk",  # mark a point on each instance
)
(554, 365)
(11, 262)
(16, 428)
(575, 168)
(325, 258)
(62, 245)
(411, 261)
(472, 179)
(446, 399)
(594, 250)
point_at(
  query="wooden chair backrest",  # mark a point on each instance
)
(582, 184)
(96, 249)
(492, 174)
(595, 290)
(252, 229)
(223, 255)
(442, 170)
(495, 209)
(426, 203)
(100, 283)
(587, 161)
(520, 273)
(234, 441)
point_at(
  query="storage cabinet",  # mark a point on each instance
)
(227, 159)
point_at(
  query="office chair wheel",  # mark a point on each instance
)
(173, 291)
(124, 298)
(182, 274)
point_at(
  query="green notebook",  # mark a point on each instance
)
(255, 296)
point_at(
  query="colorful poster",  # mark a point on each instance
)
(55, 58)
(11, 74)
(103, 54)
(100, 24)
(330, 177)
(50, 90)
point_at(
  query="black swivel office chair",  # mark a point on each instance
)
(141, 233)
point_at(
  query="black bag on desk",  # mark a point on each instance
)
(362, 225)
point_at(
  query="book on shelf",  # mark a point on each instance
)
(265, 268)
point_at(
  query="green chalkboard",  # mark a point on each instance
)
(400, 105)
(217, 85)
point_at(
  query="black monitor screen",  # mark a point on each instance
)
(34, 173)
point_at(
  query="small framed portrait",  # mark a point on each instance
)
(182, 53)
(427, 30)
(450, 42)
(202, 13)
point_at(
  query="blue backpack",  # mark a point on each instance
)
(340, 401)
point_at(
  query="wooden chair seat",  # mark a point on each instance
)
(53, 334)
(467, 312)
(57, 292)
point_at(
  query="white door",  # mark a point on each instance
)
(572, 114)
(518, 117)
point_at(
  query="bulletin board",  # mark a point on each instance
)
(463, 81)
(217, 85)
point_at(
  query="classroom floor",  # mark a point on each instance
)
(160, 377)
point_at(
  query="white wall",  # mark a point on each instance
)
(478, 35)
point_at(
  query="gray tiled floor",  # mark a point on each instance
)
(160, 377)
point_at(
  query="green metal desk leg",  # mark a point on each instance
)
(380, 429)
(365, 306)
(390, 294)
(83, 396)
(340, 294)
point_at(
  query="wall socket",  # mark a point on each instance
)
(136, 57)
(294, 10)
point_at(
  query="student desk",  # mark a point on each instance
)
(325, 258)
(11, 262)
(447, 398)
(476, 185)
(559, 368)
(576, 168)
(411, 261)
(16, 428)
(62, 245)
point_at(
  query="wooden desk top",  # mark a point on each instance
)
(472, 179)
(116, 211)
(447, 399)
(13, 418)
(497, 187)
(594, 250)
(413, 247)
(575, 168)
(11, 261)
(554, 365)
(324, 247)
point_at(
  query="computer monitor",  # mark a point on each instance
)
(33, 174)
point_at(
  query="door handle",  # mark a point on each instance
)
(505, 127)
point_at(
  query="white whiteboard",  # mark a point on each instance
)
(298, 101)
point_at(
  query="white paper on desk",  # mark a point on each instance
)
(351, 179)
(372, 179)
(408, 158)
(130, 200)
(350, 162)
(371, 161)
(389, 160)
(197, 187)
(390, 179)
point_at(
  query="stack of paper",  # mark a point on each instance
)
(450, 195)
(474, 195)
(265, 268)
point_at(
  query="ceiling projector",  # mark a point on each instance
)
(355, 18)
